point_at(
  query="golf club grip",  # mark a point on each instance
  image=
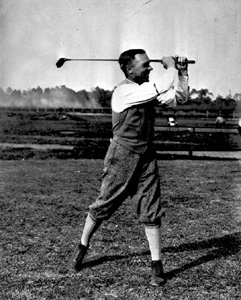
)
(188, 61)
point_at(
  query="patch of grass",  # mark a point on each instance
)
(48, 124)
(43, 205)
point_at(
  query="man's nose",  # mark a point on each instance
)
(150, 68)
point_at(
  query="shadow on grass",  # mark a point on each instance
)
(102, 259)
(220, 247)
(194, 157)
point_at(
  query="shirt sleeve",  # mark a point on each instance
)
(177, 93)
(164, 90)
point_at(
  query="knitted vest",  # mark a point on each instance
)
(134, 127)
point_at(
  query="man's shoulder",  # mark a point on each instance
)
(124, 87)
(125, 81)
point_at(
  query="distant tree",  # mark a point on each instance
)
(230, 102)
(38, 91)
(221, 103)
(82, 96)
(103, 96)
(16, 94)
(203, 93)
(3, 97)
(46, 93)
(24, 93)
(2, 93)
(204, 100)
(9, 91)
(34, 97)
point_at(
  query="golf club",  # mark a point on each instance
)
(62, 60)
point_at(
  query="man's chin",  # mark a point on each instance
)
(146, 78)
(143, 79)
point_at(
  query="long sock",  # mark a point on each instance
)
(90, 228)
(153, 235)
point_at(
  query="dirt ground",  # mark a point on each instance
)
(43, 205)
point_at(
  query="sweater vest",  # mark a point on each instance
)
(134, 127)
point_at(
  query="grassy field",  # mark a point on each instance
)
(45, 197)
(43, 206)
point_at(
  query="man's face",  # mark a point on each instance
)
(140, 69)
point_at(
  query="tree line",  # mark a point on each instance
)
(55, 98)
(65, 97)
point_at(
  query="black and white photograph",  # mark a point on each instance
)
(120, 149)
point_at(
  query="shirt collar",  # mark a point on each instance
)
(128, 81)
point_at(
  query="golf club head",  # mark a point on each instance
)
(61, 61)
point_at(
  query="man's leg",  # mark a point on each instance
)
(114, 190)
(90, 228)
(153, 234)
(150, 213)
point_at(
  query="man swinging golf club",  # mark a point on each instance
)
(130, 166)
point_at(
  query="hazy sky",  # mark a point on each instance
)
(35, 33)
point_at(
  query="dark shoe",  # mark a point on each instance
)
(75, 261)
(157, 273)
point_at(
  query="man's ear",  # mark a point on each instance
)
(129, 69)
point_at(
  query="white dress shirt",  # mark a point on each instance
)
(168, 89)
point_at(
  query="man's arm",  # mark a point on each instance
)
(168, 89)
(130, 94)
(179, 92)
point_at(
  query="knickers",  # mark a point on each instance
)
(128, 174)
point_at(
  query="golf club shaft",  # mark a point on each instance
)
(92, 59)
(62, 60)
(108, 59)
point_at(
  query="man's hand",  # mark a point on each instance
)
(178, 62)
(181, 65)
(168, 62)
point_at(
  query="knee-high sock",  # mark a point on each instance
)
(90, 228)
(153, 235)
